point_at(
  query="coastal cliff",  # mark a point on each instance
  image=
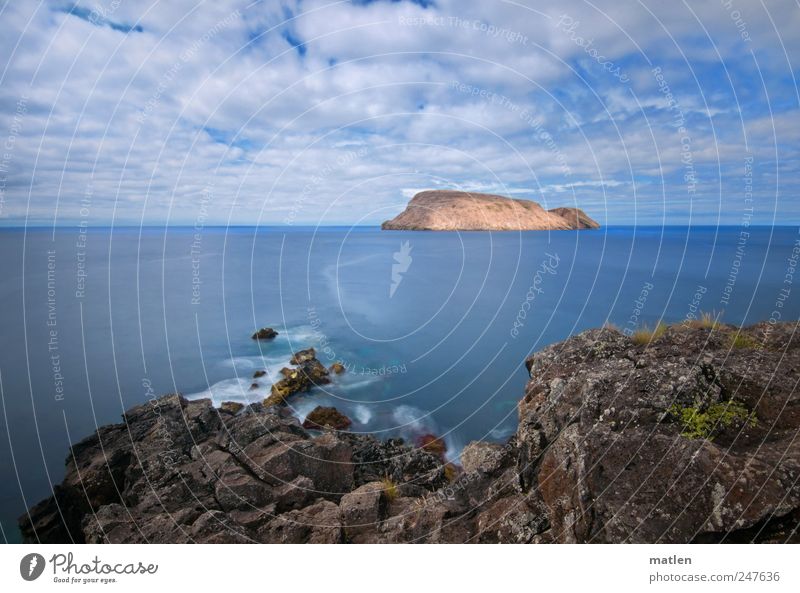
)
(686, 435)
(447, 210)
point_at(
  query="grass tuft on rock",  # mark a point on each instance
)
(450, 472)
(705, 321)
(645, 335)
(740, 340)
(390, 489)
(697, 423)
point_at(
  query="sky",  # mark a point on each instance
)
(311, 112)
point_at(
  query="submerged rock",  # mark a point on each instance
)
(265, 333)
(322, 416)
(337, 368)
(308, 373)
(311, 372)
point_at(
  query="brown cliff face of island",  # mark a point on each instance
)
(576, 217)
(448, 210)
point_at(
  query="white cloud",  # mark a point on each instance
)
(217, 95)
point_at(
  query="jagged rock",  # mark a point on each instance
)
(514, 519)
(432, 444)
(361, 512)
(315, 372)
(310, 372)
(303, 356)
(603, 453)
(265, 333)
(231, 407)
(600, 442)
(321, 416)
(415, 470)
(315, 524)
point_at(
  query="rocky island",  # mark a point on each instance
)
(448, 210)
(686, 435)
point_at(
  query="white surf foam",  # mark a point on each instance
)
(231, 390)
(362, 413)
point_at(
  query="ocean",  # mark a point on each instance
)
(433, 328)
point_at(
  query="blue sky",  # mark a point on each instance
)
(319, 112)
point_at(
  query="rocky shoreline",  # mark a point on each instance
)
(687, 435)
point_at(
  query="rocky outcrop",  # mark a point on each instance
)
(309, 372)
(184, 471)
(611, 436)
(447, 210)
(576, 217)
(323, 416)
(265, 333)
(688, 438)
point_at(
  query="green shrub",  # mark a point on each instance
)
(704, 424)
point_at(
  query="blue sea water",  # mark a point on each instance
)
(433, 327)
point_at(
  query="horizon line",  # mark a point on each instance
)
(365, 226)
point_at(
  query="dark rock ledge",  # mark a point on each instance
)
(607, 450)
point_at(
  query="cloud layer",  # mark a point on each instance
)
(318, 112)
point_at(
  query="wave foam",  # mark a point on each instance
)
(231, 390)
(362, 413)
